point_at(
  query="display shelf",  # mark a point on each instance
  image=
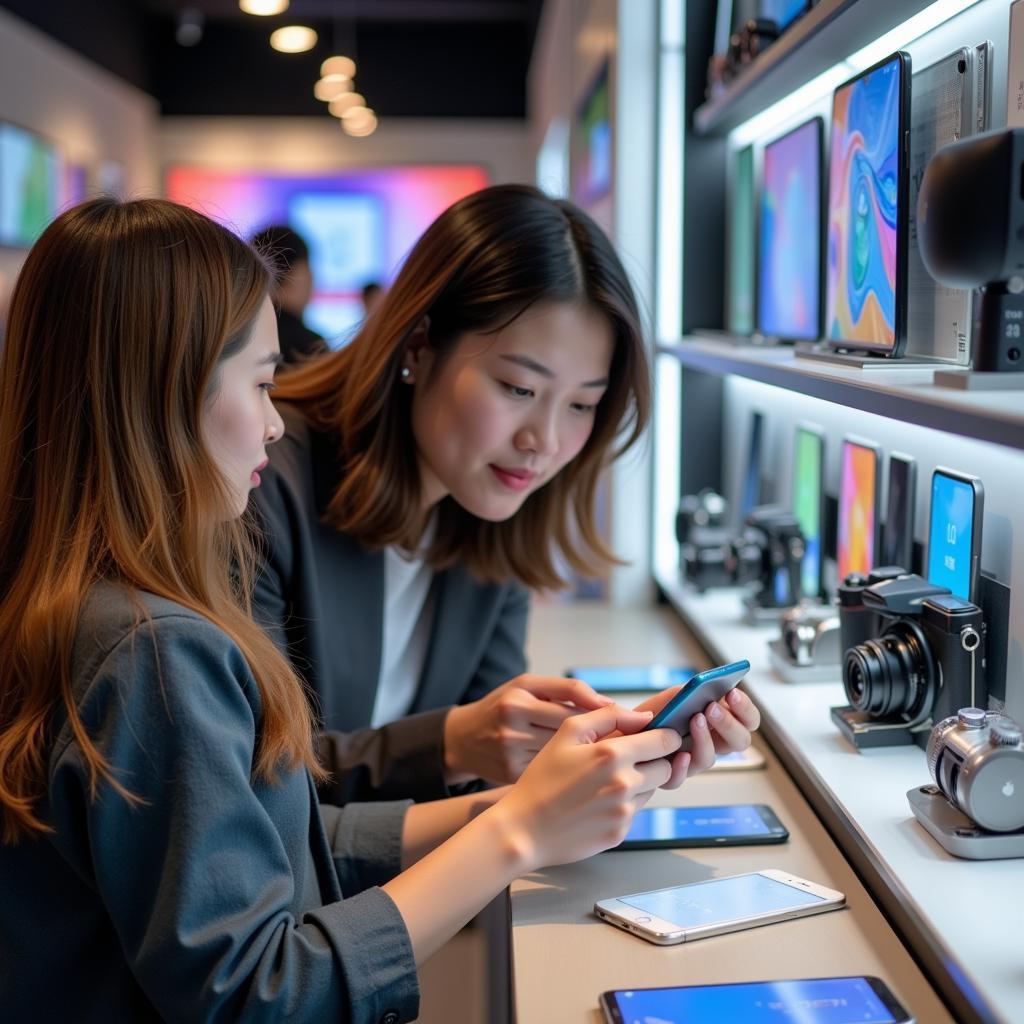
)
(827, 34)
(906, 394)
(974, 958)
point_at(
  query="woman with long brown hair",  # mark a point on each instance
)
(444, 461)
(162, 848)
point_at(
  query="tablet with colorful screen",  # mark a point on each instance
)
(866, 265)
(858, 507)
(808, 472)
(789, 240)
(858, 1000)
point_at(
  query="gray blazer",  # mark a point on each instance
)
(217, 897)
(321, 595)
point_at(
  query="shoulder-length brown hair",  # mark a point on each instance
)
(117, 325)
(479, 266)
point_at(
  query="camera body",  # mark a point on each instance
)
(976, 759)
(706, 509)
(856, 622)
(970, 228)
(767, 553)
(926, 660)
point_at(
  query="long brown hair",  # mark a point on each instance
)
(481, 264)
(117, 325)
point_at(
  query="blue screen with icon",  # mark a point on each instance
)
(951, 534)
(815, 1001)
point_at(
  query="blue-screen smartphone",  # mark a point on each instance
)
(696, 695)
(631, 678)
(954, 532)
(856, 1000)
(656, 828)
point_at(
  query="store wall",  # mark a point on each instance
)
(575, 38)
(317, 144)
(92, 116)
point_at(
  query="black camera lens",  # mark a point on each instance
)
(891, 675)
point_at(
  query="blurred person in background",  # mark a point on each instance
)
(289, 254)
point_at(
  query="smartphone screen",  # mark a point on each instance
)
(811, 1001)
(789, 236)
(867, 186)
(810, 448)
(704, 826)
(858, 502)
(631, 678)
(951, 540)
(736, 898)
(898, 541)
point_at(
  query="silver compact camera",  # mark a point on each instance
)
(976, 759)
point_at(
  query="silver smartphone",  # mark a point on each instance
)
(684, 913)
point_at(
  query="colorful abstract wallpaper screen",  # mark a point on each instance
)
(864, 201)
(858, 503)
(789, 264)
(359, 224)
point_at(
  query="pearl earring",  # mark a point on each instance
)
(406, 375)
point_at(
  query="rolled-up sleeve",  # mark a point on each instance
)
(199, 879)
(365, 841)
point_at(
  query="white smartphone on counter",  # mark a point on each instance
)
(684, 913)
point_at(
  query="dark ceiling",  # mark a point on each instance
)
(416, 58)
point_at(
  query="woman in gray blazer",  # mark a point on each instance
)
(452, 452)
(163, 852)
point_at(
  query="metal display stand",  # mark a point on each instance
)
(788, 672)
(956, 833)
(862, 360)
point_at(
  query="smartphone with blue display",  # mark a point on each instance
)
(705, 687)
(853, 1000)
(656, 828)
(954, 532)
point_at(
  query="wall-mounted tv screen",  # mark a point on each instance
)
(359, 224)
(30, 185)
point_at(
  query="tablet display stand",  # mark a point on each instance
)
(864, 360)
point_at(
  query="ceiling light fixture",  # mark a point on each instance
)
(331, 86)
(361, 130)
(345, 102)
(345, 66)
(263, 8)
(293, 39)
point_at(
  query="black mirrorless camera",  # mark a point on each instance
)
(921, 659)
(767, 554)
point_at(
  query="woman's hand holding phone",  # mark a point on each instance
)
(496, 737)
(723, 726)
(578, 796)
